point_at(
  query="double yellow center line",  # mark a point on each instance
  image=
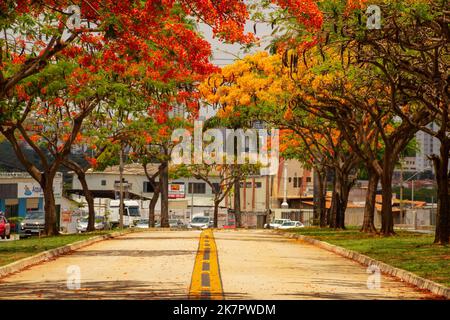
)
(206, 282)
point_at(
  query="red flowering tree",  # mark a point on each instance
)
(133, 42)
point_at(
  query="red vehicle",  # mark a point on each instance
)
(229, 226)
(5, 228)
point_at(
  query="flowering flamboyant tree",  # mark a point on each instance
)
(259, 87)
(408, 46)
(143, 41)
(411, 52)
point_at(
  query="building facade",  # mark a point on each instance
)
(20, 193)
(189, 197)
(427, 145)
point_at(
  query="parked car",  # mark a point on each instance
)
(100, 223)
(5, 228)
(291, 225)
(176, 223)
(200, 222)
(33, 224)
(275, 224)
(229, 226)
(143, 224)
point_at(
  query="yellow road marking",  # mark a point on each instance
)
(206, 282)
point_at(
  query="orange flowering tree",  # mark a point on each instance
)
(407, 46)
(134, 42)
(259, 87)
(50, 122)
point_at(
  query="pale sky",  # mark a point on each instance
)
(224, 54)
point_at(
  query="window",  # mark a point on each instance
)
(308, 179)
(297, 182)
(103, 182)
(12, 210)
(147, 187)
(247, 185)
(258, 185)
(199, 187)
(290, 179)
(133, 211)
(216, 187)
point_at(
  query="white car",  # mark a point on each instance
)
(200, 222)
(291, 225)
(275, 224)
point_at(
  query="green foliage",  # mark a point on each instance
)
(406, 250)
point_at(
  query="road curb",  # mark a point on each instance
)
(404, 275)
(53, 253)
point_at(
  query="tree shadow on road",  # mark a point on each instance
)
(132, 253)
(135, 290)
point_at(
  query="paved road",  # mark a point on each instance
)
(171, 265)
(259, 265)
(136, 266)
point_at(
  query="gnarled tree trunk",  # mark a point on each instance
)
(342, 187)
(151, 209)
(369, 208)
(216, 213)
(164, 192)
(443, 209)
(237, 202)
(321, 214)
(387, 218)
(90, 201)
(51, 227)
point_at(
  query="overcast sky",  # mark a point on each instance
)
(224, 54)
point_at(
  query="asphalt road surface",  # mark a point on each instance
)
(189, 264)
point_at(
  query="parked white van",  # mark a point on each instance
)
(131, 212)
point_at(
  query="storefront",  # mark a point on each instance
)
(20, 193)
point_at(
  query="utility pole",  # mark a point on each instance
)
(285, 205)
(121, 205)
(192, 200)
(267, 200)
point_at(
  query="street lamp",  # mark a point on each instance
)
(412, 196)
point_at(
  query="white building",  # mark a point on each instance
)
(187, 196)
(427, 145)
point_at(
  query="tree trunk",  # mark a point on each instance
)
(337, 202)
(216, 213)
(89, 199)
(369, 209)
(340, 199)
(333, 207)
(387, 218)
(321, 198)
(151, 209)
(164, 190)
(51, 228)
(237, 202)
(443, 209)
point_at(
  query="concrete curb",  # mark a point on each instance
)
(404, 275)
(53, 253)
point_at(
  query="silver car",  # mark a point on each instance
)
(82, 224)
(33, 224)
(143, 224)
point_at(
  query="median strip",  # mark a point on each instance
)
(206, 283)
